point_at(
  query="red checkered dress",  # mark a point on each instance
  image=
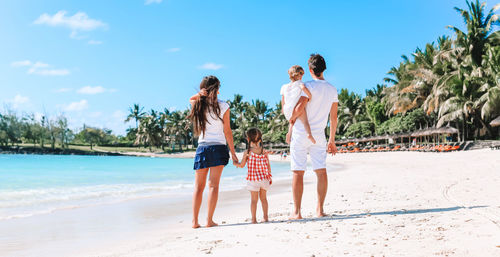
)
(257, 167)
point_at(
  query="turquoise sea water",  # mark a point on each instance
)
(37, 184)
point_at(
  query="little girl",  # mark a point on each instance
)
(259, 172)
(290, 95)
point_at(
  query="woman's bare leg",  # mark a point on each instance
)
(305, 121)
(200, 179)
(213, 193)
(263, 201)
(253, 205)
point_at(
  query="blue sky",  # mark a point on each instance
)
(93, 59)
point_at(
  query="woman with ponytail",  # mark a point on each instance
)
(210, 118)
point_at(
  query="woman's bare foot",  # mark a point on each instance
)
(196, 225)
(288, 138)
(266, 219)
(254, 221)
(311, 138)
(211, 224)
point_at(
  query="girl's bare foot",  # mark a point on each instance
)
(288, 138)
(211, 224)
(312, 139)
(196, 225)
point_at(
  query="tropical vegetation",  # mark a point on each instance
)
(454, 81)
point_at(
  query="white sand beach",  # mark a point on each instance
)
(379, 204)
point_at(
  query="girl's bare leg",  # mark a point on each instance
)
(213, 193)
(253, 205)
(263, 201)
(199, 185)
(289, 134)
(303, 119)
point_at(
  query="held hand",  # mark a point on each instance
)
(235, 158)
(203, 92)
(332, 148)
(292, 121)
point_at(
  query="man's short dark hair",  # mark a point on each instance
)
(317, 64)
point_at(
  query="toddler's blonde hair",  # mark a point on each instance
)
(295, 72)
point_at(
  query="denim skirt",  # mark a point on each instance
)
(210, 156)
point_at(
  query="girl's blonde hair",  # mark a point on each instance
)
(295, 72)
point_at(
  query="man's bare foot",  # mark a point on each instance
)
(211, 224)
(196, 225)
(320, 213)
(295, 217)
(312, 139)
(288, 138)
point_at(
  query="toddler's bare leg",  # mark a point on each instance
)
(289, 134)
(303, 119)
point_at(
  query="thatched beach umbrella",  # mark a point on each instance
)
(447, 130)
(495, 122)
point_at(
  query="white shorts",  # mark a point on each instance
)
(257, 185)
(301, 146)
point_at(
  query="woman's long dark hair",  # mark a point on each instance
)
(206, 105)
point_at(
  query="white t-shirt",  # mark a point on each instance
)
(323, 96)
(214, 131)
(291, 93)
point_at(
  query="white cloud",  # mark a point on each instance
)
(89, 90)
(21, 63)
(80, 21)
(19, 100)
(49, 72)
(173, 50)
(94, 42)
(148, 2)
(63, 90)
(210, 66)
(40, 68)
(77, 106)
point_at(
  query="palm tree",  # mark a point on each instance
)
(479, 29)
(136, 113)
(148, 132)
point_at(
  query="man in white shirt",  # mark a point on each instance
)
(323, 103)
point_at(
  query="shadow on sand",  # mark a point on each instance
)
(362, 215)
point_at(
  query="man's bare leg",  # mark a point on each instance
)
(298, 189)
(322, 188)
(305, 121)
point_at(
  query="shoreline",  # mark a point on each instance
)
(395, 203)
